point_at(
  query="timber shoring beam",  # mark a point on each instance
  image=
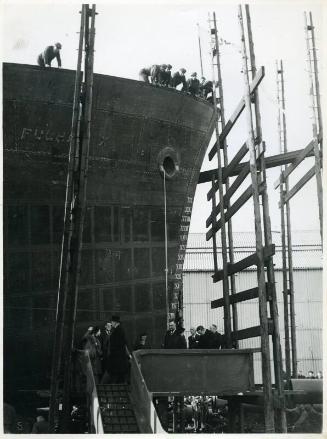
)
(254, 331)
(270, 162)
(242, 296)
(245, 263)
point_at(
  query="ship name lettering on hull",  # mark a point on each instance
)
(47, 135)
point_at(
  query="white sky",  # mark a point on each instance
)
(131, 36)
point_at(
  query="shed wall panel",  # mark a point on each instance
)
(199, 290)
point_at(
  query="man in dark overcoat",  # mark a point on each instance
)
(193, 340)
(215, 337)
(118, 364)
(173, 338)
(204, 338)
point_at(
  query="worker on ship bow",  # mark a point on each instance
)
(50, 53)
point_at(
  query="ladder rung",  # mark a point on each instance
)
(229, 168)
(230, 123)
(230, 212)
(244, 263)
(242, 296)
(234, 208)
(254, 331)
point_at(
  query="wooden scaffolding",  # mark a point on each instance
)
(73, 223)
(286, 194)
(263, 257)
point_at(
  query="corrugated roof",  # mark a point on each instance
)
(307, 252)
(247, 239)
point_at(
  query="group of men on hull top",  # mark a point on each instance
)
(161, 75)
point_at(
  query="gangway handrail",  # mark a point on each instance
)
(96, 425)
(142, 400)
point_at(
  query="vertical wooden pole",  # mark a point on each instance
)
(281, 136)
(65, 257)
(214, 236)
(289, 238)
(229, 224)
(265, 353)
(79, 211)
(277, 352)
(227, 316)
(315, 132)
(200, 51)
(285, 289)
(316, 77)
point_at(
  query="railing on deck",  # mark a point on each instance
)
(95, 420)
(142, 400)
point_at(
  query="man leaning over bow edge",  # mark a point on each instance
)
(50, 52)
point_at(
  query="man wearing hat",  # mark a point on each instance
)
(154, 73)
(118, 365)
(179, 78)
(193, 85)
(165, 76)
(162, 74)
(50, 52)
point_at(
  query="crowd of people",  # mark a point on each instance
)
(310, 375)
(108, 352)
(158, 74)
(161, 75)
(110, 355)
(200, 338)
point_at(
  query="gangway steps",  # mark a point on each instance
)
(116, 409)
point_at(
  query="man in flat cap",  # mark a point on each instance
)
(154, 73)
(50, 52)
(193, 85)
(179, 78)
(165, 76)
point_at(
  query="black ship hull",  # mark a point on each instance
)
(137, 130)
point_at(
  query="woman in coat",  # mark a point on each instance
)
(91, 343)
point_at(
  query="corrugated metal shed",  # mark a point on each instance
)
(307, 252)
(199, 290)
(247, 239)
